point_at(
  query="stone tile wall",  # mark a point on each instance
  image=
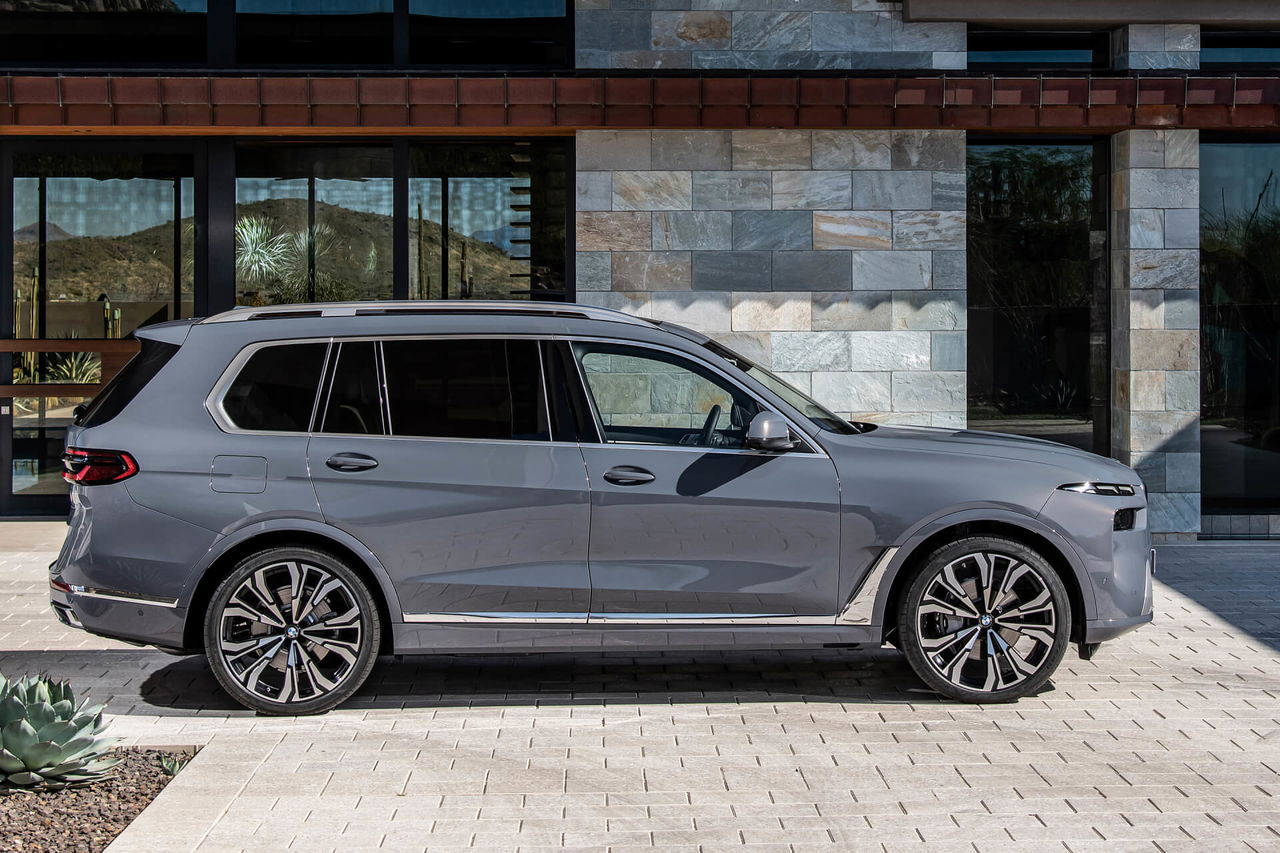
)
(1148, 46)
(761, 34)
(1155, 281)
(836, 257)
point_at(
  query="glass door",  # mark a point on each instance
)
(101, 244)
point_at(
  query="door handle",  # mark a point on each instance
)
(351, 462)
(628, 475)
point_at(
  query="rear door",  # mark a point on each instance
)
(687, 524)
(436, 453)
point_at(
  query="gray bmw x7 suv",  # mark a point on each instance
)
(293, 491)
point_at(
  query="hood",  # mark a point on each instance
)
(994, 445)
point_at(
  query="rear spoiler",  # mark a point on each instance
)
(172, 332)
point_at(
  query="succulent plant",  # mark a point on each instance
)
(47, 741)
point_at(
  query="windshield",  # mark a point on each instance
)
(820, 415)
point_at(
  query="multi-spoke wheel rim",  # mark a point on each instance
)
(987, 621)
(291, 632)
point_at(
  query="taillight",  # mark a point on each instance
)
(97, 467)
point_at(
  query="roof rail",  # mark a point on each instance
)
(436, 306)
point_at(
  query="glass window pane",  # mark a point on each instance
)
(1239, 47)
(102, 33)
(102, 244)
(1037, 50)
(1037, 267)
(489, 32)
(307, 32)
(276, 388)
(487, 389)
(1239, 326)
(355, 402)
(39, 432)
(313, 224)
(648, 397)
(488, 220)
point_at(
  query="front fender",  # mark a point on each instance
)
(250, 531)
(877, 589)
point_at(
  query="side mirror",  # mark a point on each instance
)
(769, 431)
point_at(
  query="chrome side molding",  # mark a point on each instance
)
(861, 608)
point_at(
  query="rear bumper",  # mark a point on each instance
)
(139, 622)
(1101, 630)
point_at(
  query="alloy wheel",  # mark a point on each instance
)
(291, 632)
(987, 622)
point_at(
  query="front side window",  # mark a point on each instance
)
(275, 391)
(479, 389)
(646, 396)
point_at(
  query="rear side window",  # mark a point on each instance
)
(126, 384)
(275, 391)
(487, 389)
(354, 406)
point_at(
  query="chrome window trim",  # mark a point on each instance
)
(814, 448)
(214, 402)
(861, 607)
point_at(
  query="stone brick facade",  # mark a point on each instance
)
(761, 34)
(1140, 47)
(836, 257)
(1155, 343)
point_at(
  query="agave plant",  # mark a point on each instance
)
(46, 740)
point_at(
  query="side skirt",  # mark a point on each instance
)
(459, 638)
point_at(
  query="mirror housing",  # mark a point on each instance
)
(769, 431)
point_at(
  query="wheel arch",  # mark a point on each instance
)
(1024, 529)
(233, 548)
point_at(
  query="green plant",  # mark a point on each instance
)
(172, 764)
(76, 368)
(47, 741)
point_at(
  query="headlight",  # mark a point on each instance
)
(1115, 490)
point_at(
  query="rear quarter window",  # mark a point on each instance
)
(275, 390)
(126, 384)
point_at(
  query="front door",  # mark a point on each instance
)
(451, 478)
(686, 523)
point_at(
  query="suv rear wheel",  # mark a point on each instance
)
(985, 619)
(292, 631)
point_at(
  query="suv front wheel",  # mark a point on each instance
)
(985, 619)
(292, 631)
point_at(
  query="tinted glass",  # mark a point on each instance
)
(1038, 299)
(1037, 50)
(276, 389)
(645, 396)
(1254, 48)
(355, 404)
(1239, 326)
(102, 32)
(313, 224)
(311, 32)
(489, 389)
(489, 32)
(126, 384)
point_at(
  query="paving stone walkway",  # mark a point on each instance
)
(1168, 741)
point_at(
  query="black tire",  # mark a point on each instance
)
(983, 643)
(320, 652)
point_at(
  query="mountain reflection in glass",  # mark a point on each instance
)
(313, 224)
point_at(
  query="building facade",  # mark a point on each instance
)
(1056, 219)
